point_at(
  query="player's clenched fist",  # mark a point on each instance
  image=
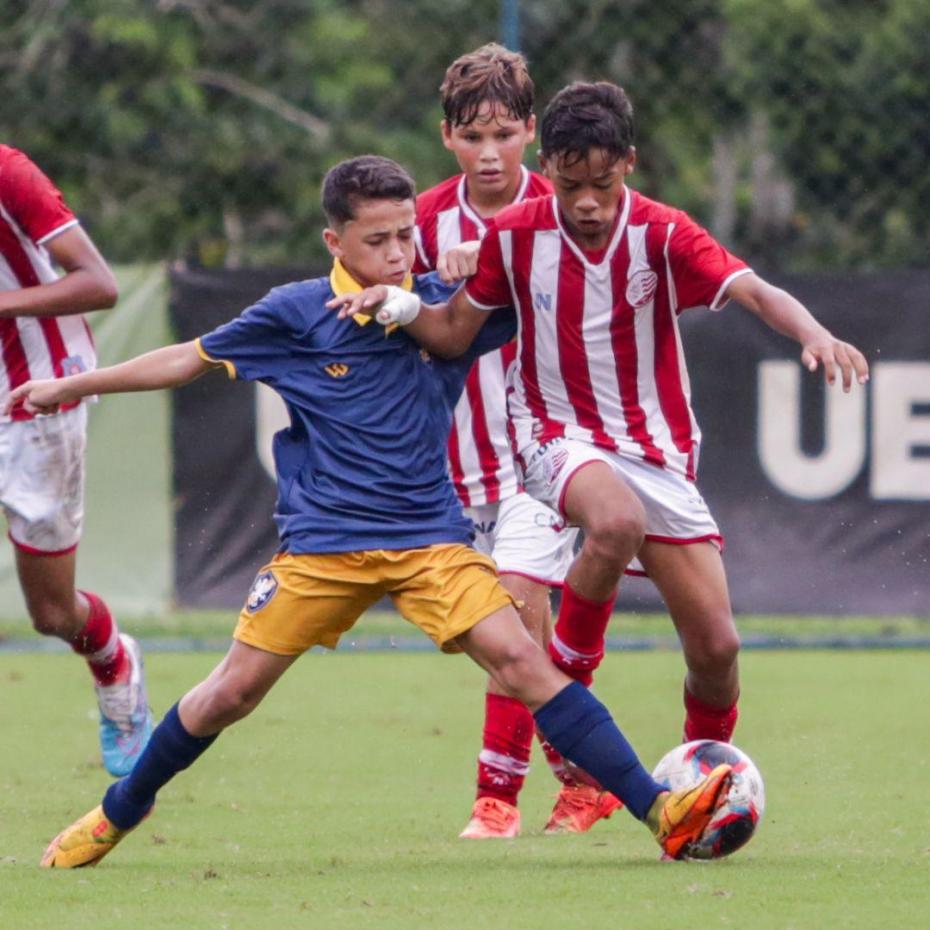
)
(40, 396)
(458, 263)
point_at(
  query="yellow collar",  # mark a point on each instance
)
(342, 282)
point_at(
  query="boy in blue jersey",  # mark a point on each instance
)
(365, 509)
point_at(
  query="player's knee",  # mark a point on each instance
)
(616, 535)
(516, 663)
(717, 654)
(52, 618)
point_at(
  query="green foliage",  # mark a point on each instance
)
(200, 129)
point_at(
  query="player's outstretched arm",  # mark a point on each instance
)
(87, 284)
(170, 366)
(446, 330)
(788, 316)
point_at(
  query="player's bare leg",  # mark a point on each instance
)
(613, 521)
(508, 728)
(83, 620)
(231, 691)
(692, 581)
(47, 581)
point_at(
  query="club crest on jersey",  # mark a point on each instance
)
(72, 365)
(641, 288)
(336, 370)
(263, 590)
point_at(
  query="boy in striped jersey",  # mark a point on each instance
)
(44, 335)
(487, 102)
(600, 400)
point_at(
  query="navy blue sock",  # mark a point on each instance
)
(170, 750)
(577, 724)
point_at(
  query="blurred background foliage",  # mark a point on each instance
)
(199, 130)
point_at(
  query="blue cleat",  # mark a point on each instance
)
(125, 716)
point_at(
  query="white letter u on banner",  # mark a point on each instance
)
(786, 465)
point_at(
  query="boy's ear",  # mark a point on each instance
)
(446, 131)
(543, 164)
(630, 161)
(531, 128)
(332, 242)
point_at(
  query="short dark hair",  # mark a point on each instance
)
(581, 117)
(367, 177)
(490, 74)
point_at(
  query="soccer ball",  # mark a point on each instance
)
(737, 818)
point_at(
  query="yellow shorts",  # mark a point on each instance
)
(299, 601)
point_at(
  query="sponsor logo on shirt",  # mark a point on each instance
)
(641, 288)
(336, 370)
(263, 590)
(542, 301)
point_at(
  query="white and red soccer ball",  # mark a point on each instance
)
(736, 819)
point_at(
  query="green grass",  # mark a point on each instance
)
(216, 625)
(336, 805)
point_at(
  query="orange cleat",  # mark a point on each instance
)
(579, 807)
(685, 813)
(492, 819)
(84, 843)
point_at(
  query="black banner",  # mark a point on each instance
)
(224, 495)
(823, 497)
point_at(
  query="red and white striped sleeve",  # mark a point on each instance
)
(701, 267)
(489, 288)
(33, 202)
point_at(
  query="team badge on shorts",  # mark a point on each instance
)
(553, 464)
(641, 288)
(263, 590)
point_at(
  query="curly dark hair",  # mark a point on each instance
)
(581, 117)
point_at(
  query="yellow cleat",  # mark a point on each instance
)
(492, 819)
(685, 813)
(85, 842)
(579, 807)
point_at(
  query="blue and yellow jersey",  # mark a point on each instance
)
(363, 463)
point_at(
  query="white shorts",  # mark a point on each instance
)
(42, 480)
(675, 511)
(524, 537)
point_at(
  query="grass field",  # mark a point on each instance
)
(337, 804)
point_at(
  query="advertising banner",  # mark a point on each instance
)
(823, 496)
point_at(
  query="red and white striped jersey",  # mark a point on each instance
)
(599, 354)
(32, 211)
(480, 454)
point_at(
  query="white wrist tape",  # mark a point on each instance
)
(400, 306)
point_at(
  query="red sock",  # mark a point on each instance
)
(98, 641)
(704, 721)
(556, 761)
(505, 750)
(577, 645)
